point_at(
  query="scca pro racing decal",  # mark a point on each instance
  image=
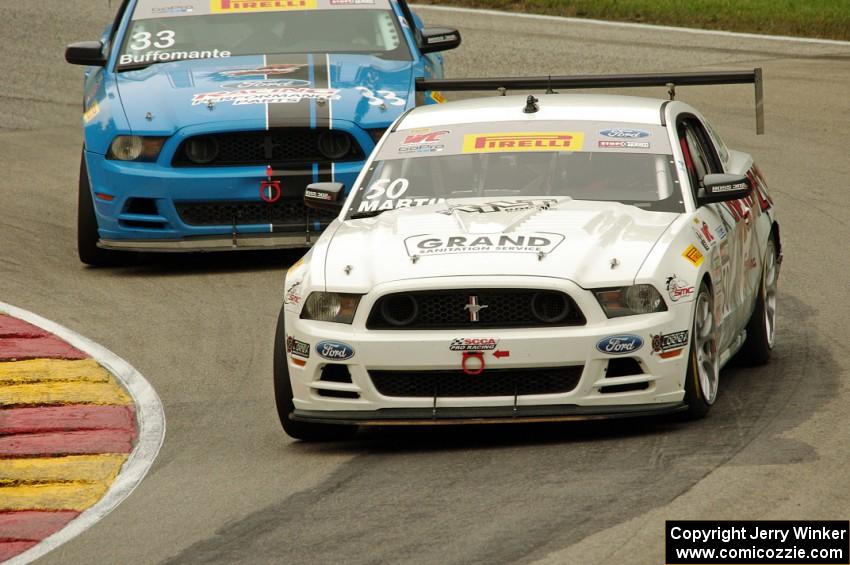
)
(619, 344)
(334, 350)
(473, 344)
(532, 242)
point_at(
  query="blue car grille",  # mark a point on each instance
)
(491, 382)
(277, 146)
(288, 215)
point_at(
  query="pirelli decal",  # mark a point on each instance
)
(693, 255)
(240, 6)
(523, 141)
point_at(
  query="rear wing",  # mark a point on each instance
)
(549, 83)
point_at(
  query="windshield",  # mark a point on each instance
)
(161, 31)
(589, 162)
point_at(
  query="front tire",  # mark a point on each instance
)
(761, 329)
(703, 377)
(306, 431)
(87, 235)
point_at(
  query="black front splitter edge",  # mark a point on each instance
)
(483, 415)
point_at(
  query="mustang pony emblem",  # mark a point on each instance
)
(473, 307)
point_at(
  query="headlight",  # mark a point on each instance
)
(630, 300)
(334, 144)
(202, 149)
(330, 307)
(135, 148)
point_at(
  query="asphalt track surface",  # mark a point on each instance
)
(230, 486)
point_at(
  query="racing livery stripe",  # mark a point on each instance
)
(319, 71)
(325, 112)
(288, 114)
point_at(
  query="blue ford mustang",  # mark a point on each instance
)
(204, 120)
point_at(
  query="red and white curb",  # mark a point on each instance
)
(149, 425)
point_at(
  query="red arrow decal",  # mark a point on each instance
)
(499, 353)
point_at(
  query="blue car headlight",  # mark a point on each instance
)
(135, 148)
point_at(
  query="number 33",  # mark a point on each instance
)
(142, 40)
(383, 96)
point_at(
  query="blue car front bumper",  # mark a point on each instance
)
(161, 207)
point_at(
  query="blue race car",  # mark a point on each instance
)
(205, 120)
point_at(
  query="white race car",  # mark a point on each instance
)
(514, 259)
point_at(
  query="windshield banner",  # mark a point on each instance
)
(151, 9)
(514, 137)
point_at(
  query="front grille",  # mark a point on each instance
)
(292, 213)
(491, 382)
(277, 146)
(452, 309)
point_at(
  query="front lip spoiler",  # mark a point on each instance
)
(483, 415)
(239, 242)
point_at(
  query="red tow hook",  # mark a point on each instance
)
(475, 370)
(270, 189)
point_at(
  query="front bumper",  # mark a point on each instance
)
(657, 387)
(160, 207)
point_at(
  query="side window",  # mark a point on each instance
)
(700, 157)
(718, 143)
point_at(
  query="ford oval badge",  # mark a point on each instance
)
(620, 344)
(334, 350)
(624, 133)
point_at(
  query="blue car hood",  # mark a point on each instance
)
(306, 90)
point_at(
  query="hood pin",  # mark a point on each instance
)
(149, 116)
(541, 255)
(414, 258)
(347, 269)
(614, 263)
(210, 104)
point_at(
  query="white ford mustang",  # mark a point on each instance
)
(511, 259)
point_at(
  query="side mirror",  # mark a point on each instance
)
(721, 188)
(439, 39)
(324, 196)
(87, 53)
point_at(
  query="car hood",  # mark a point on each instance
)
(561, 237)
(165, 97)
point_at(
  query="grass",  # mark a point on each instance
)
(829, 19)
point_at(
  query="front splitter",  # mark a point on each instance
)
(240, 242)
(484, 415)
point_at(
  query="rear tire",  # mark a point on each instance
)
(87, 235)
(703, 377)
(762, 325)
(306, 431)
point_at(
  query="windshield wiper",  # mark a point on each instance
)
(368, 214)
(137, 66)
